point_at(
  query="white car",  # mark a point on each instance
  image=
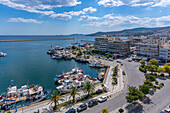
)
(167, 110)
(102, 99)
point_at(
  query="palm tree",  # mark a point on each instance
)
(73, 93)
(55, 97)
(88, 88)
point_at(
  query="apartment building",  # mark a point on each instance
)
(113, 45)
(119, 46)
(101, 43)
(164, 52)
(150, 50)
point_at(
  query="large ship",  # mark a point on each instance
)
(24, 96)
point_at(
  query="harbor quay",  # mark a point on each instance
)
(112, 90)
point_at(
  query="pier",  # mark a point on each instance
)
(36, 39)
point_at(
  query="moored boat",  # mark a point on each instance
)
(24, 96)
(2, 54)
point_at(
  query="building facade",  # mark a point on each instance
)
(101, 44)
(164, 52)
(113, 45)
(150, 50)
(121, 47)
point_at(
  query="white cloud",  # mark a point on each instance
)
(68, 15)
(162, 3)
(38, 6)
(24, 20)
(88, 18)
(134, 3)
(61, 16)
(110, 20)
(84, 11)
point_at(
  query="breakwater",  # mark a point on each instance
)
(36, 39)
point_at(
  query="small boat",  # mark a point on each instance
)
(100, 75)
(67, 57)
(75, 43)
(58, 56)
(99, 66)
(53, 57)
(92, 65)
(81, 60)
(2, 54)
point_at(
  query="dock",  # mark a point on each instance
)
(36, 39)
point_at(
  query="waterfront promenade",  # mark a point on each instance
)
(113, 90)
(36, 39)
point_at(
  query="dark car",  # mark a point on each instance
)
(118, 61)
(92, 103)
(71, 111)
(82, 108)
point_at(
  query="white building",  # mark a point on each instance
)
(101, 44)
(150, 50)
(164, 52)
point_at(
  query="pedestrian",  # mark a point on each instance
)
(38, 111)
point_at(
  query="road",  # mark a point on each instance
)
(160, 100)
(135, 78)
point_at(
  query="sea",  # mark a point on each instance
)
(27, 62)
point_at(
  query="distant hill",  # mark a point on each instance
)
(135, 32)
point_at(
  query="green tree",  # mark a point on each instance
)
(79, 53)
(109, 55)
(133, 94)
(149, 83)
(144, 89)
(73, 93)
(150, 78)
(167, 68)
(161, 70)
(104, 110)
(88, 88)
(142, 63)
(55, 97)
(153, 61)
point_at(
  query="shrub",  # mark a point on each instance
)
(105, 110)
(160, 85)
(142, 69)
(156, 82)
(88, 57)
(162, 74)
(113, 77)
(150, 77)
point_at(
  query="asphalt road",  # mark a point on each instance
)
(135, 78)
(160, 99)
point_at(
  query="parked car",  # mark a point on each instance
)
(110, 59)
(82, 107)
(98, 91)
(92, 103)
(102, 99)
(167, 110)
(129, 60)
(71, 111)
(118, 62)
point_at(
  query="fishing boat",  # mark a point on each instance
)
(24, 96)
(74, 78)
(2, 54)
(67, 57)
(101, 74)
(58, 56)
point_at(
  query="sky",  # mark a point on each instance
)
(63, 17)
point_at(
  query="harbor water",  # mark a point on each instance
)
(28, 62)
